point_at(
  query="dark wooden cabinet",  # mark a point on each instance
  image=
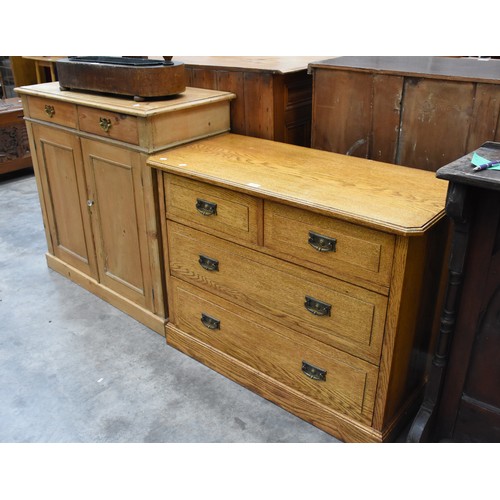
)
(421, 112)
(462, 401)
(273, 94)
(14, 147)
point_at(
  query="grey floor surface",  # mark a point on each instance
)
(74, 369)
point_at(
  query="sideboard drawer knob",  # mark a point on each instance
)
(104, 123)
(50, 110)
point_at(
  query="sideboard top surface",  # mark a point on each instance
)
(448, 68)
(395, 199)
(190, 98)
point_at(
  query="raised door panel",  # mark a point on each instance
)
(435, 121)
(485, 125)
(342, 112)
(118, 218)
(63, 183)
(388, 93)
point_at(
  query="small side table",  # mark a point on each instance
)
(462, 400)
(14, 146)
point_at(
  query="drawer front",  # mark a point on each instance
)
(328, 245)
(221, 211)
(49, 110)
(108, 124)
(333, 378)
(334, 312)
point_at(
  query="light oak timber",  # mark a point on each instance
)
(98, 196)
(390, 218)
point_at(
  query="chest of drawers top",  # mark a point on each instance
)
(389, 198)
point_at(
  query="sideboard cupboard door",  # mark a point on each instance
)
(62, 176)
(118, 219)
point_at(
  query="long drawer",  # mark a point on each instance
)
(337, 313)
(335, 379)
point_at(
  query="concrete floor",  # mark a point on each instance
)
(74, 369)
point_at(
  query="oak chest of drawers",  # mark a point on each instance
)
(309, 277)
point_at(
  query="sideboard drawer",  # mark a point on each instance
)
(329, 245)
(332, 311)
(50, 110)
(222, 212)
(333, 378)
(108, 124)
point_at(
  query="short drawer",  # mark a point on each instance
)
(334, 312)
(328, 245)
(108, 124)
(218, 210)
(50, 110)
(335, 379)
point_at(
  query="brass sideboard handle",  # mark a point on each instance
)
(317, 307)
(206, 207)
(49, 110)
(322, 243)
(208, 263)
(313, 371)
(209, 322)
(104, 123)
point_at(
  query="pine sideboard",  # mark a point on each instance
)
(310, 277)
(96, 192)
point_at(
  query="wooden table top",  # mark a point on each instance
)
(447, 68)
(461, 170)
(268, 64)
(383, 196)
(10, 104)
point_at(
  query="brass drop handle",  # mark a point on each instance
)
(208, 264)
(50, 110)
(313, 371)
(206, 208)
(104, 123)
(317, 307)
(209, 322)
(322, 243)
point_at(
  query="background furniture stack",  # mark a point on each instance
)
(422, 112)
(273, 93)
